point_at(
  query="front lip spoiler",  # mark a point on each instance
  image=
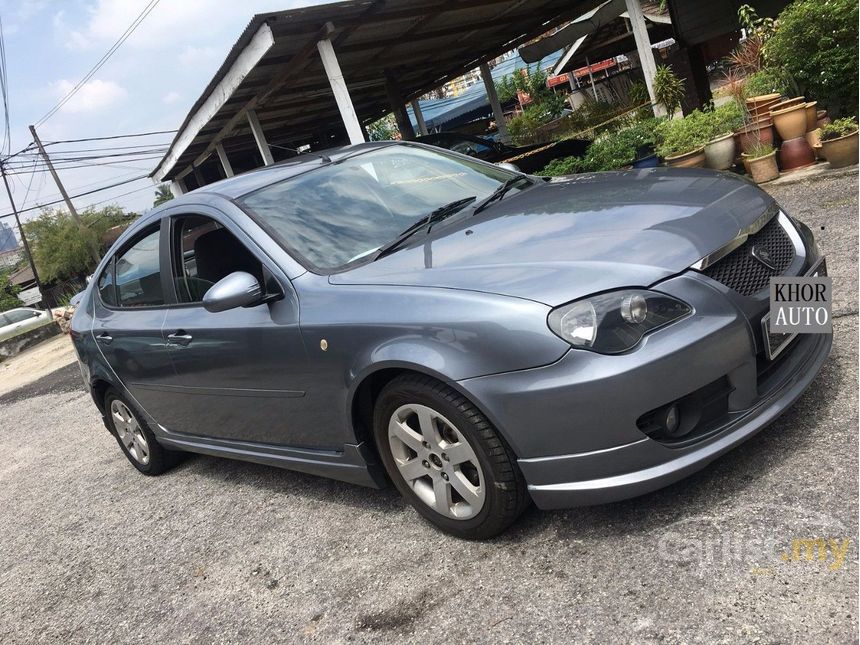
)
(632, 484)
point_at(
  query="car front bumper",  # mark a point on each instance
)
(573, 424)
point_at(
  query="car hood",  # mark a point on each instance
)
(565, 239)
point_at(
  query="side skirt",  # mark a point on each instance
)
(355, 464)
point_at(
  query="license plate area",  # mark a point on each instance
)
(774, 342)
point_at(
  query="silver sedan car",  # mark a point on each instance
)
(17, 321)
(481, 338)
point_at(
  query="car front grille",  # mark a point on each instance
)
(742, 272)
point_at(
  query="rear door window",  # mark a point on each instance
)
(138, 278)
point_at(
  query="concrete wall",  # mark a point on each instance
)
(17, 344)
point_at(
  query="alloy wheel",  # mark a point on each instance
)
(129, 431)
(436, 461)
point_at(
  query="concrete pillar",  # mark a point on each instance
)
(643, 46)
(498, 113)
(340, 91)
(407, 132)
(419, 117)
(260, 138)
(591, 78)
(177, 187)
(225, 162)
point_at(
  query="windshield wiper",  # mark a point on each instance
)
(431, 218)
(499, 193)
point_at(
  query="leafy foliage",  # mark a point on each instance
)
(724, 119)
(384, 129)
(816, 43)
(162, 194)
(759, 150)
(8, 292)
(545, 104)
(668, 89)
(769, 80)
(61, 248)
(838, 128)
(678, 136)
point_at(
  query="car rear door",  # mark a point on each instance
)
(129, 311)
(244, 371)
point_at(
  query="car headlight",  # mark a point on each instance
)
(614, 322)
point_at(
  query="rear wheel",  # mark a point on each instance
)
(446, 459)
(134, 437)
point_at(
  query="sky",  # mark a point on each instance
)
(149, 84)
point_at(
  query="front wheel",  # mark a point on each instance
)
(446, 459)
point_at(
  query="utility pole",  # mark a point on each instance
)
(23, 237)
(94, 252)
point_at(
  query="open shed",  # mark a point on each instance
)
(318, 75)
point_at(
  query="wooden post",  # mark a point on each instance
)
(407, 132)
(225, 162)
(419, 117)
(498, 113)
(260, 138)
(340, 90)
(643, 46)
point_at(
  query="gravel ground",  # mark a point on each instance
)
(223, 551)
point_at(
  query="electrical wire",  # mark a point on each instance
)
(4, 94)
(134, 25)
(84, 194)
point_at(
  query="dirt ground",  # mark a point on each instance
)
(223, 551)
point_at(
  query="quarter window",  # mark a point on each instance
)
(138, 279)
(107, 290)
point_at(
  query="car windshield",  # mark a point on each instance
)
(339, 213)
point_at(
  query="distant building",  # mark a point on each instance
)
(10, 259)
(8, 241)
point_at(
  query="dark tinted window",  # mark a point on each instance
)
(137, 274)
(20, 315)
(339, 213)
(107, 290)
(205, 252)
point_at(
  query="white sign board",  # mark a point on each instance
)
(30, 296)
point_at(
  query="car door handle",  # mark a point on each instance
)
(179, 338)
(107, 339)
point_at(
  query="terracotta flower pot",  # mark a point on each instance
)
(795, 153)
(811, 116)
(763, 169)
(813, 138)
(692, 159)
(763, 109)
(720, 152)
(752, 134)
(842, 151)
(782, 105)
(822, 119)
(790, 123)
(753, 101)
(745, 160)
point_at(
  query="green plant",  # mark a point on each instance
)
(162, 194)
(769, 80)
(524, 128)
(8, 292)
(759, 150)
(816, 44)
(679, 136)
(724, 119)
(838, 128)
(668, 89)
(61, 248)
(564, 166)
(384, 129)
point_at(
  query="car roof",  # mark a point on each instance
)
(235, 187)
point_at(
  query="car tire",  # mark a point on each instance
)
(446, 459)
(134, 436)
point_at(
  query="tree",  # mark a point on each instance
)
(61, 249)
(8, 293)
(162, 194)
(384, 129)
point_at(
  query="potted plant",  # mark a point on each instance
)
(789, 118)
(760, 160)
(839, 140)
(681, 142)
(720, 149)
(668, 89)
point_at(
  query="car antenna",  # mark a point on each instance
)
(323, 158)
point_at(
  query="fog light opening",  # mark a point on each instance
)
(671, 420)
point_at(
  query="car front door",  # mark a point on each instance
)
(243, 371)
(129, 310)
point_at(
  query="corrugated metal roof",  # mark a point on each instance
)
(421, 43)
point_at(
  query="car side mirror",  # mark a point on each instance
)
(239, 289)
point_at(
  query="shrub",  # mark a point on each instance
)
(724, 119)
(768, 81)
(524, 128)
(838, 128)
(677, 136)
(759, 150)
(668, 89)
(816, 43)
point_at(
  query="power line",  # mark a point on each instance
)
(4, 92)
(134, 25)
(115, 136)
(89, 192)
